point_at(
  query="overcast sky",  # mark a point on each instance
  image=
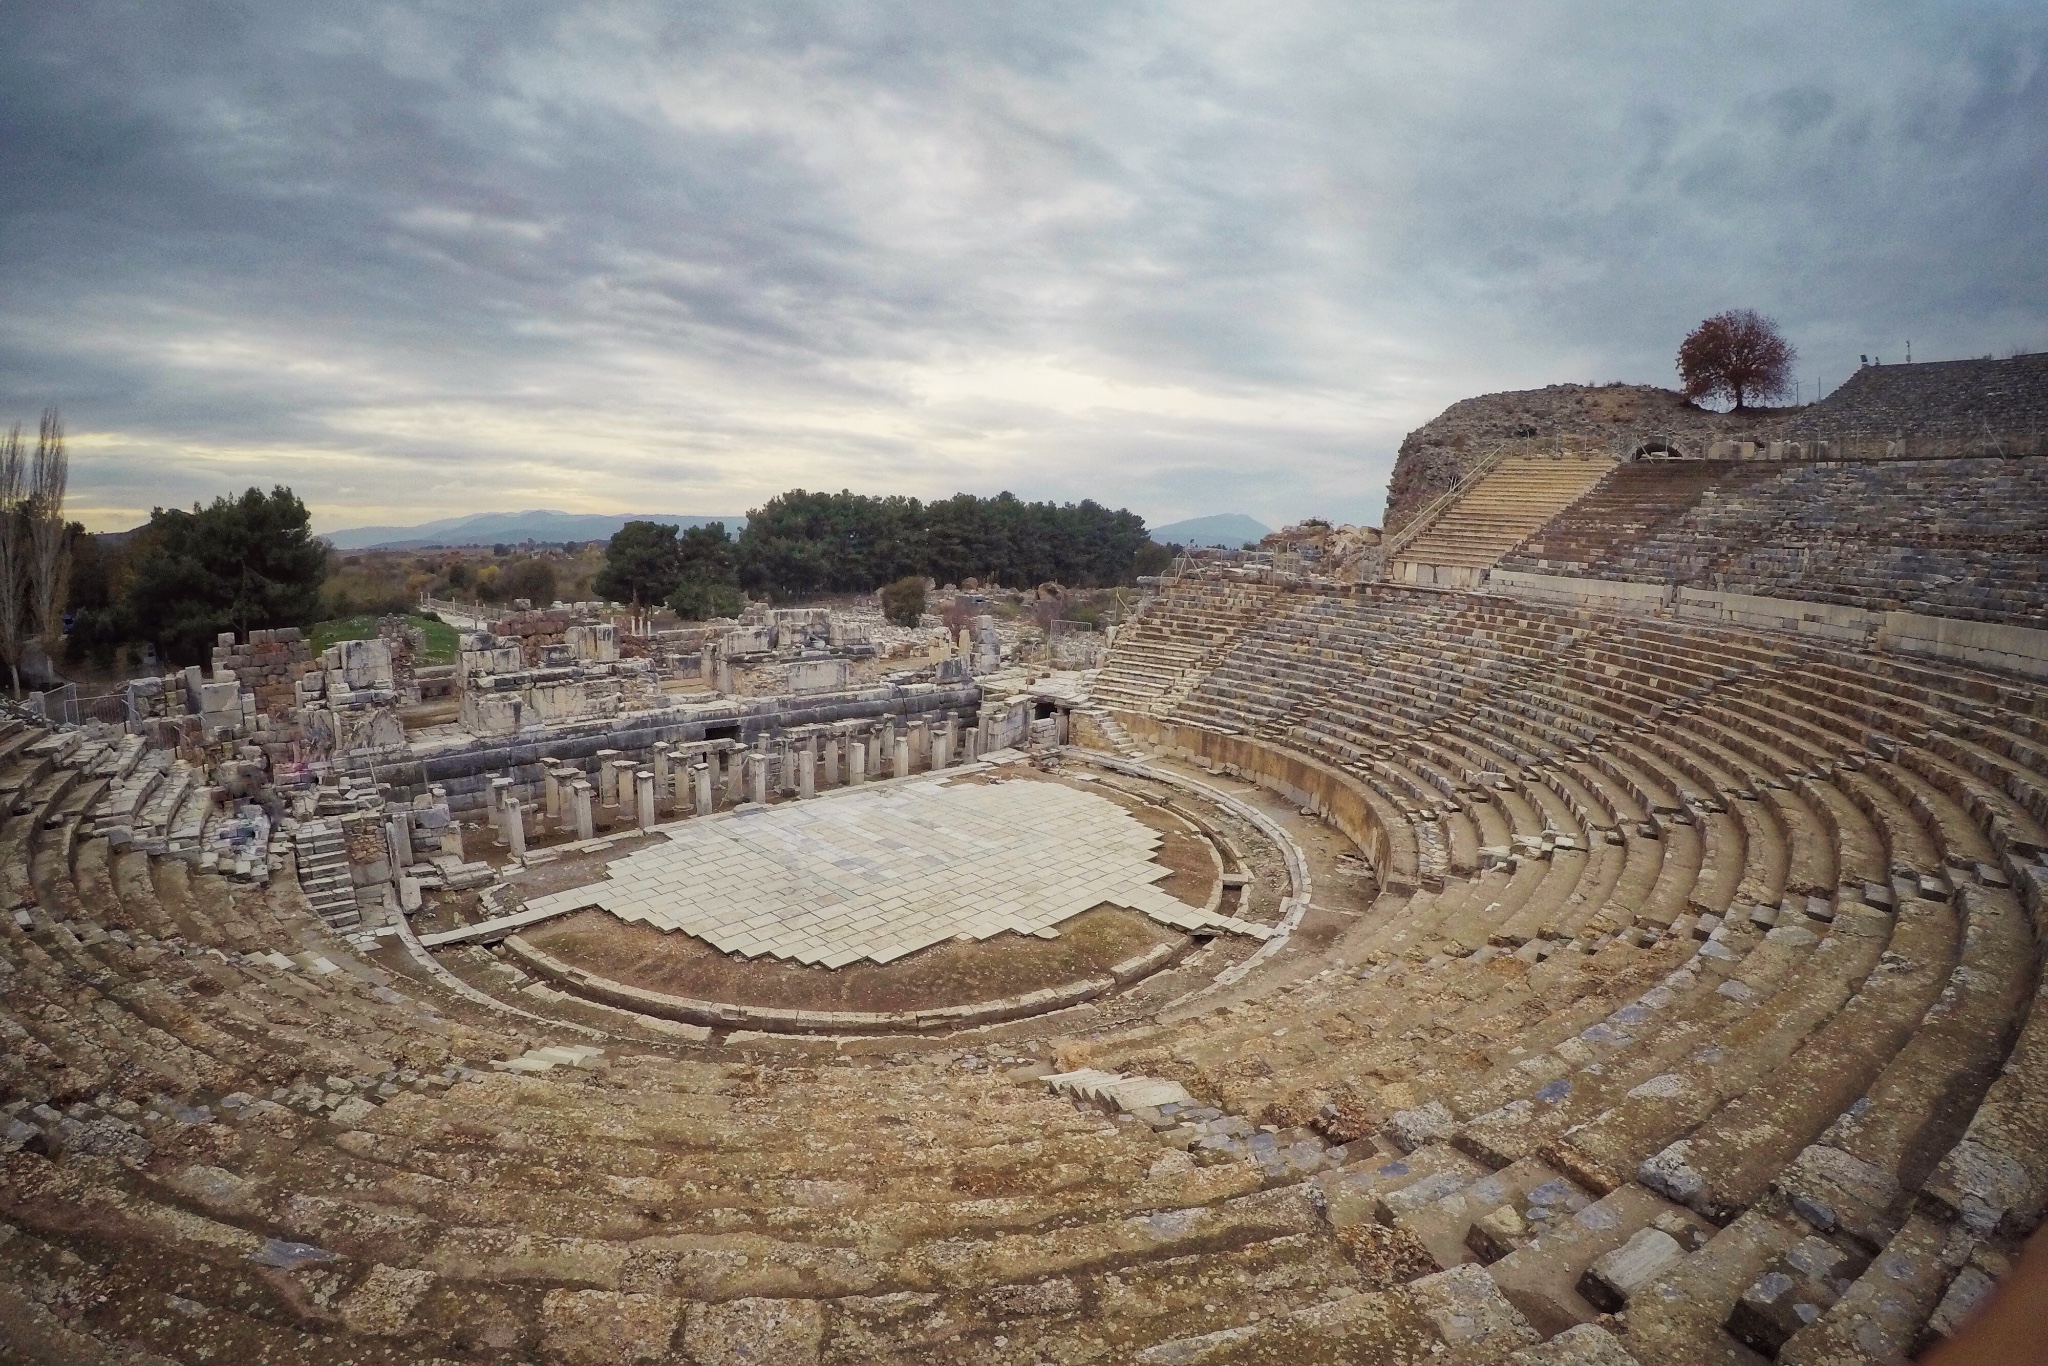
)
(422, 260)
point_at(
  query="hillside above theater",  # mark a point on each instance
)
(1614, 418)
(1960, 398)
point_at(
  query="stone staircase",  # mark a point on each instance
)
(1515, 498)
(323, 875)
(1112, 730)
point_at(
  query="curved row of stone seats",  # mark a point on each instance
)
(1958, 538)
(217, 1020)
(1524, 1162)
(1873, 992)
(155, 1169)
(966, 1228)
(1980, 400)
(352, 1204)
(1689, 1061)
(1176, 639)
(1632, 503)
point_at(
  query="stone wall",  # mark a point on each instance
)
(408, 646)
(268, 664)
(533, 632)
(1964, 398)
(2019, 649)
(1387, 842)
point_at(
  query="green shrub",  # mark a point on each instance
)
(903, 600)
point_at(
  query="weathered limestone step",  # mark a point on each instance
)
(542, 1060)
(1453, 1316)
(1117, 1090)
(1543, 1278)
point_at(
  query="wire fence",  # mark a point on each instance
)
(66, 705)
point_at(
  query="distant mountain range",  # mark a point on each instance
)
(1227, 529)
(1230, 529)
(510, 528)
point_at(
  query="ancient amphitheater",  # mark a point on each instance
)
(1610, 933)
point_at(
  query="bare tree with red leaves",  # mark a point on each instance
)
(1738, 355)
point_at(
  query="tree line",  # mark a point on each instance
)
(252, 562)
(801, 543)
(238, 564)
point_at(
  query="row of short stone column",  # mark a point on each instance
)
(698, 777)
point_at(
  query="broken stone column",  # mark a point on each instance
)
(643, 786)
(701, 772)
(399, 829)
(918, 734)
(622, 785)
(757, 778)
(499, 798)
(942, 750)
(555, 781)
(900, 764)
(973, 744)
(830, 755)
(662, 788)
(856, 763)
(875, 753)
(607, 777)
(953, 732)
(514, 825)
(988, 652)
(806, 774)
(581, 795)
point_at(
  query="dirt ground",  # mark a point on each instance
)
(953, 973)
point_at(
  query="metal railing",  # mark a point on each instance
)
(1394, 544)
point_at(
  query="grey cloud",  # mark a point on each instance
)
(418, 261)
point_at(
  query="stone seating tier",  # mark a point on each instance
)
(1958, 538)
(1723, 970)
(1820, 811)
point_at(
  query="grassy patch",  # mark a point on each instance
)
(440, 635)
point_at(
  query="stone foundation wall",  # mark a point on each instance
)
(1991, 645)
(408, 645)
(1380, 835)
(533, 632)
(268, 664)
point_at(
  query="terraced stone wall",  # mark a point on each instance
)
(1302, 780)
(1954, 539)
(1956, 397)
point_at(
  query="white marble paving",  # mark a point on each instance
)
(880, 874)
